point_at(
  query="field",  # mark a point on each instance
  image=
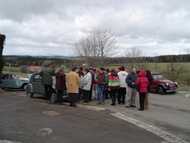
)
(179, 72)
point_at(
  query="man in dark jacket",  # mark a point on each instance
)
(100, 82)
(60, 85)
(132, 88)
(47, 81)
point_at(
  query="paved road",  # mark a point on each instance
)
(170, 113)
(34, 121)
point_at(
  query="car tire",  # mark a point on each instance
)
(24, 87)
(161, 90)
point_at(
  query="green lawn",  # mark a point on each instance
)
(179, 72)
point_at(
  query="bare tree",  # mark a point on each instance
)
(98, 43)
(133, 52)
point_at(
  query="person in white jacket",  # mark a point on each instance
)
(123, 86)
(86, 83)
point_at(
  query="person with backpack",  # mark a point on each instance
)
(100, 85)
(113, 86)
(142, 85)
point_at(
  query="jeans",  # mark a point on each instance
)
(100, 93)
(132, 92)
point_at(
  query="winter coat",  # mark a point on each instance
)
(130, 80)
(122, 77)
(100, 78)
(60, 81)
(46, 75)
(142, 82)
(72, 82)
(113, 81)
(86, 81)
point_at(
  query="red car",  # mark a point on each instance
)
(162, 85)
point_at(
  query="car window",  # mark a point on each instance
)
(158, 77)
(37, 77)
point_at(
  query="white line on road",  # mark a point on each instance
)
(6, 141)
(168, 137)
(94, 108)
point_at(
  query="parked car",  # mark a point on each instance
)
(162, 85)
(36, 88)
(11, 81)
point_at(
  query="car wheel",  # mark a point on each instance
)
(25, 87)
(161, 90)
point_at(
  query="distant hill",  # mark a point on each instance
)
(38, 60)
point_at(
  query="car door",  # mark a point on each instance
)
(37, 86)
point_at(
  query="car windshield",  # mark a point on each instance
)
(158, 77)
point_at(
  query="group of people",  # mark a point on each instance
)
(86, 84)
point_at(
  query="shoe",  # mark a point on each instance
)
(127, 106)
(133, 106)
(73, 105)
(141, 109)
(113, 104)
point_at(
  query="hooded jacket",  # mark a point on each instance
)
(142, 82)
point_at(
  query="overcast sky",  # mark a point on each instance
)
(51, 27)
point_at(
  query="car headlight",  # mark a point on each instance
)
(167, 84)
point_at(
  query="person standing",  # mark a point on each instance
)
(86, 83)
(132, 88)
(47, 81)
(122, 89)
(150, 79)
(100, 85)
(80, 72)
(60, 85)
(142, 85)
(72, 84)
(113, 85)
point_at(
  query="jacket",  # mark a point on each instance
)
(122, 77)
(60, 81)
(72, 82)
(100, 78)
(86, 81)
(113, 81)
(130, 80)
(142, 82)
(46, 75)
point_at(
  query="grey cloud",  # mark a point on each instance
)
(42, 24)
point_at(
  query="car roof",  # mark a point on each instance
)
(154, 73)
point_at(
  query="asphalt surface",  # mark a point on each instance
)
(28, 120)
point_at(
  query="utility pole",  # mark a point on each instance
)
(2, 41)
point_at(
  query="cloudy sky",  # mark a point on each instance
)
(51, 27)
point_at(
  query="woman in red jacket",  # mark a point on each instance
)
(142, 85)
